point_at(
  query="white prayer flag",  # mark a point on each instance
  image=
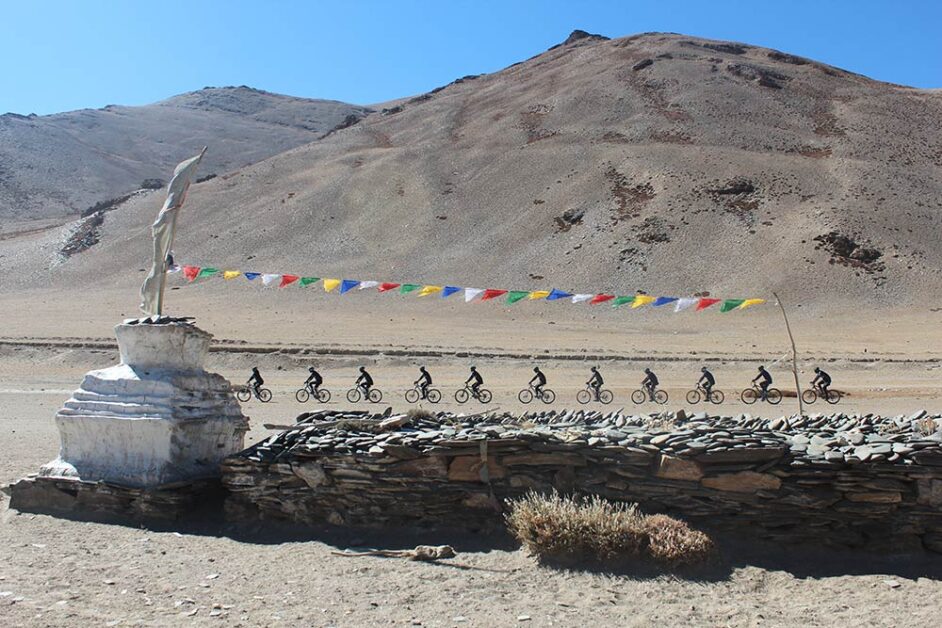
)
(582, 298)
(470, 294)
(269, 279)
(683, 304)
(367, 284)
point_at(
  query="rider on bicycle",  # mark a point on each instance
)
(424, 381)
(822, 380)
(650, 382)
(707, 381)
(595, 382)
(765, 383)
(314, 380)
(538, 382)
(255, 380)
(475, 380)
(364, 381)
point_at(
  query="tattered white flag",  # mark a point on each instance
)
(683, 304)
(470, 294)
(269, 279)
(582, 298)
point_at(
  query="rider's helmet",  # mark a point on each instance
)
(817, 370)
(474, 368)
(594, 368)
(703, 368)
(761, 368)
(647, 370)
(536, 369)
(422, 368)
(362, 369)
(310, 368)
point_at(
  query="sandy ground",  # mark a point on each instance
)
(57, 572)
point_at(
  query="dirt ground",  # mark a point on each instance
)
(67, 573)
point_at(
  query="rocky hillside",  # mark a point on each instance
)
(658, 162)
(56, 165)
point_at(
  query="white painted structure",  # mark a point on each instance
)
(156, 418)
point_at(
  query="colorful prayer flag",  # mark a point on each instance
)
(427, 290)
(348, 284)
(230, 274)
(386, 287)
(664, 301)
(750, 303)
(555, 295)
(601, 298)
(270, 278)
(331, 284)
(306, 281)
(287, 280)
(367, 284)
(731, 304)
(492, 293)
(251, 276)
(406, 288)
(581, 298)
(191, 272)
(623, 300)
(684, 303)
(450, 290)
(538, 294)
(705, 303)
(471, 293)
(516, 295)
(208, 272)
(642, 299)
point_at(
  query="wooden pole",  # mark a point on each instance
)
(801, 409)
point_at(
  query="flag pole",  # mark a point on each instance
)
(801, 409)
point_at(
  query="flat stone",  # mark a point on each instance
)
(743, 482)
(671, 468)
(882, 497)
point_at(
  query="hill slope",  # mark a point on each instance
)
(52, 166)
(658, 162)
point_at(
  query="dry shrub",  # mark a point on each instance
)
(570, 529)
(416, 414)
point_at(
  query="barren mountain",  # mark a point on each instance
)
(52, 166)
(657, 162)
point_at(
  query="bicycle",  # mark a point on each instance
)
(433, 395)
(529, 393)
(658, 396)
(815, 392)
(355, 394)
(750, 395)
(483, 394)
(245, 392)
(700, 393)
(590, 393)
(303, 394)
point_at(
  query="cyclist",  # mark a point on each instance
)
(364, 381)
(540, 380)
(822, 380)
(765, 383)
(475, 380)
(255, 380)
(707, 381)
(595, 382)
(650, 382)
(424, 381)
(314, 380)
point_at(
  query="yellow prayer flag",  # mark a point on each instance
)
(538, 294)
(642, 299)
(427, 290)
(230, 274)
(749, 302)
(330, 284)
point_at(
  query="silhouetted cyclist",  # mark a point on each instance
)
(765, 383)
(364, 381)
(314, 379)
(822, 380)
(538, 381)
(650, 382)
(424, 381)
(255, 380)
(475, 380)
(595, 382)
(707, 381)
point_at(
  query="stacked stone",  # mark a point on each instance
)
(844, 480)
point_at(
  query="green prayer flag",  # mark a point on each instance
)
(731, 304)
(306, 281)
(409, 287)
(208, 272)
(622, 300)
(515, 295)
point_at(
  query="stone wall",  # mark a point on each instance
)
(841, 480)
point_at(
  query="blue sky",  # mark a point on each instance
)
(61, 55)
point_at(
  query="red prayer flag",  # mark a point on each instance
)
(384, 287)
(601, 298)
(492, 293)
(287, 280)
(191, 272)
(705, 303)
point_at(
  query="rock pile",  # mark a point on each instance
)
(847, 480)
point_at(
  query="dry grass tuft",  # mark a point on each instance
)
(420, 413)
(592, 529)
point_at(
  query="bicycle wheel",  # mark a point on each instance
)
(809, 396)
(434, 395)
(462, 396)
(412, 395)
(243, 394)
(583, 397)
(376, 395)
(749, 396)
(548, 396)
(525, 396)
(353, 395)
(323, 395)
(717, 396)
(774, 396)
(606, 396)
(833, 397)
(302, 395)
(484, 395)
(693, 396)
(660, 396)
(264, 395)
(638, 396)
